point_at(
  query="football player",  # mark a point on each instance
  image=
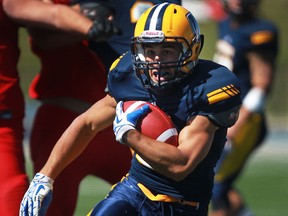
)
(247, 45)
(13, 15)
(71, 79)
(201, 97)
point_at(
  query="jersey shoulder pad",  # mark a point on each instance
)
(221, 98)
(263, 32)
(122, 62)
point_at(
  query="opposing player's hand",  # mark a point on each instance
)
(125, 121)
(102, 29)
(38, 196)
(95, 10)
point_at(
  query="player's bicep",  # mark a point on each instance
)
(196, 138)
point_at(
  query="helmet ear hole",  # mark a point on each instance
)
(197, 49)
(201, 42)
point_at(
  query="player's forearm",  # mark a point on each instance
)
(73, 21)
(162, 157)
(263, 78)
(173, 162)
(53, 16)
(262, 70)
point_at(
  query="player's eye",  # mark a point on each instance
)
(150, 52)
(167, 52)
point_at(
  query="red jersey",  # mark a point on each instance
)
(73, 71)
(11, 97)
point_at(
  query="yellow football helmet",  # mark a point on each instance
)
(164, 23)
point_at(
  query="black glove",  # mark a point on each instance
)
(95, 10)
(102, 29)
(98, 12)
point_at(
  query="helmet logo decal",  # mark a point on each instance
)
(152, 33)
(157, 36)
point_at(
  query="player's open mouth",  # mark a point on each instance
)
(160, 75)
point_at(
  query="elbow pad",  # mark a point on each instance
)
(225, 119)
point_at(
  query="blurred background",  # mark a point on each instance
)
(274, 10)
(265, 182)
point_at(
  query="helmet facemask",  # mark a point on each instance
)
(182, 66)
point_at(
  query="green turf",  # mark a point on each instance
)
(264, 185)
(92, 190)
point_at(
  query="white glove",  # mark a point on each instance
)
(38, 196)
(125, 121)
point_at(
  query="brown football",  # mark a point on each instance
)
(156, 124)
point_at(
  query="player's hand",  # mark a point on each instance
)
(38, 196)
(125, 121)
(102, 15)
(95, 10)
(102, 29)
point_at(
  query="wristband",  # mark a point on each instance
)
(255, 99)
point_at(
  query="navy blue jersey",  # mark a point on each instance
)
(234, 43)
(211, 90)
(126, 16)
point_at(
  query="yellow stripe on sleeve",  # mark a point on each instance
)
(222, 94)
(261, 37)
(115, 63)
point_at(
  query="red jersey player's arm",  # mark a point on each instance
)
(48, 39)
(52, 16)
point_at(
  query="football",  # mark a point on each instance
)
(156, 124)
